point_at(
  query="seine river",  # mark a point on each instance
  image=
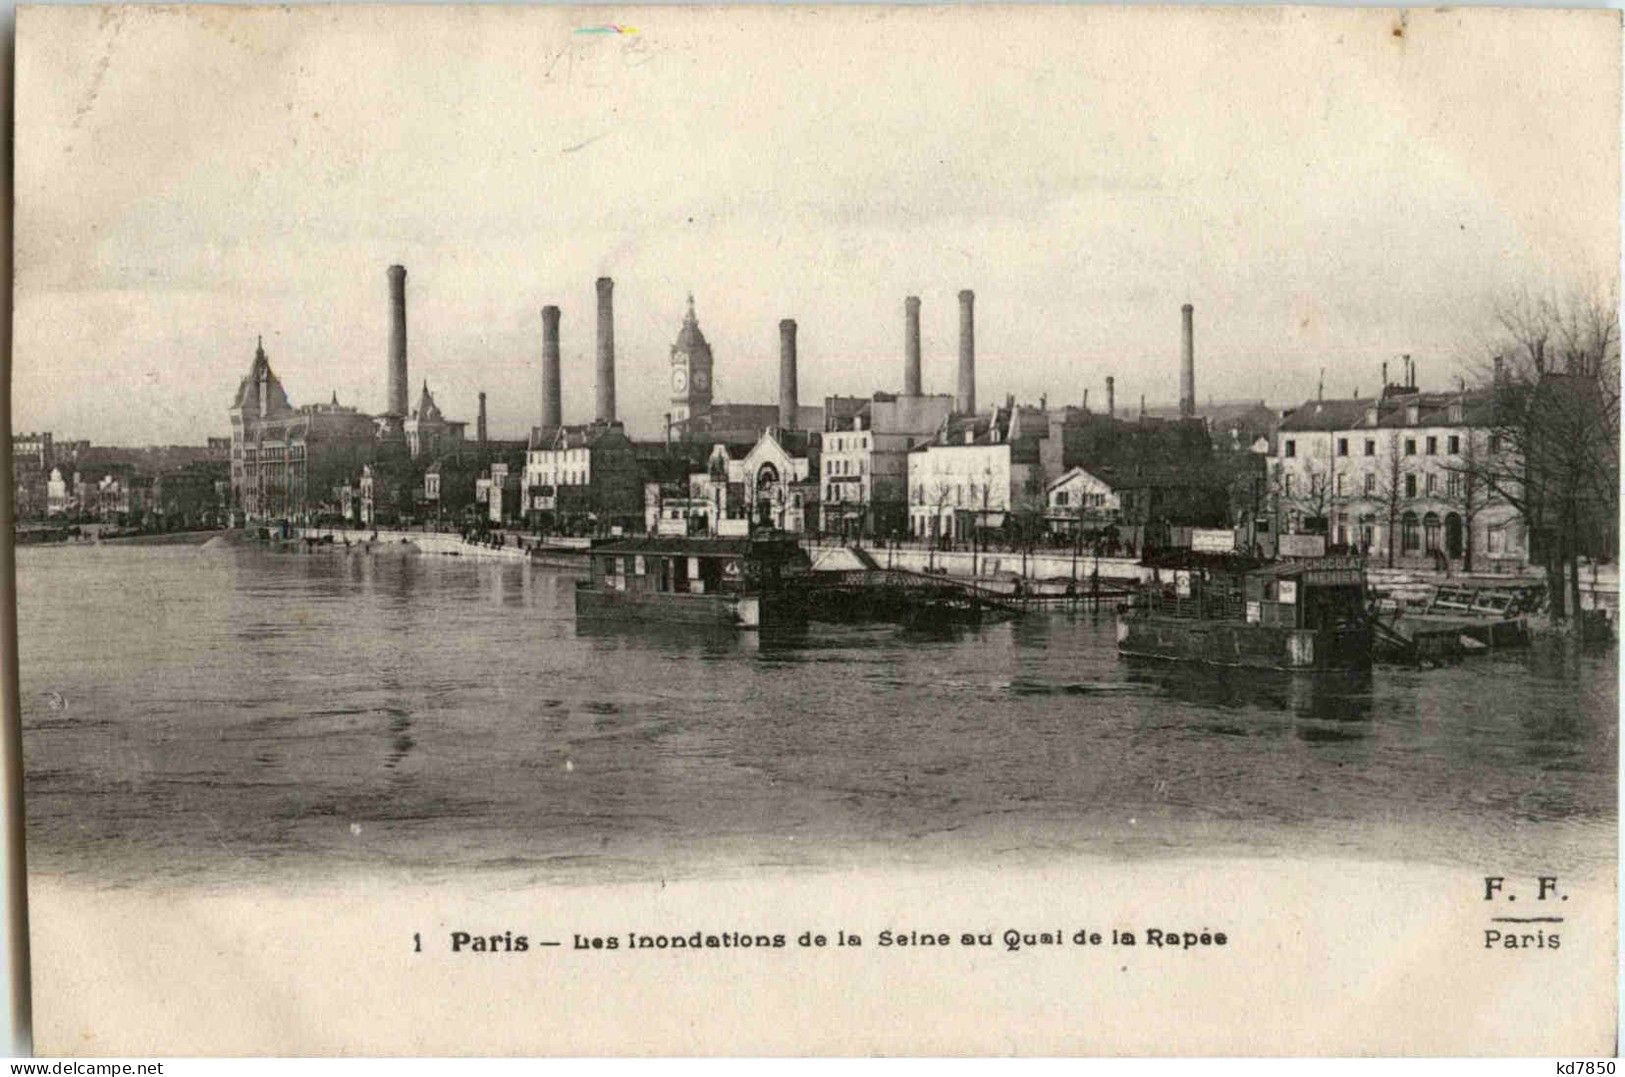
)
(207, 715)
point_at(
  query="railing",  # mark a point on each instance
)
(920, 583)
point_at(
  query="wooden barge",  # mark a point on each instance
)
(722, 582)
(1233, 610)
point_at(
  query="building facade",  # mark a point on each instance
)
(1394, 476)
(32, 457)
(864, 461)
(288, 462)
(1078, 499)
(428, 432)
(972, 477)
(582, 478)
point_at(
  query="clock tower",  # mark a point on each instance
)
(690, 370)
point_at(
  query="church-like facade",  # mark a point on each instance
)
(287, 461)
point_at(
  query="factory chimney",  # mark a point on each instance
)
(1187, 364)
(397, 341)
(1111, 397)
(552, 403)
(911, 346)
(479, 429)
(788, 405)
(606, 350)
(966, 402)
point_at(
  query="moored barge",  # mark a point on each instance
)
(723, 582)
(1233, 610)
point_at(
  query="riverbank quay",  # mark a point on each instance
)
(93, 534)
(500, 546)
(1599, 585)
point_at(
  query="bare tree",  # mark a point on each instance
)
(1553, 443)
(1465, 491)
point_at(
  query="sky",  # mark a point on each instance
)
(1329, 188)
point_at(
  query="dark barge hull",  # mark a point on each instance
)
(1236, 643)
(719, 611)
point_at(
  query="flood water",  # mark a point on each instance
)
(207, 715)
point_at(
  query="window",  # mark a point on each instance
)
(1291, 448)
(1494, 539)
(1060, 498)
(1339, 486)
(1370, 447)
(1410, 533)
(1342, 446)
(1432, 526)
(1410, 485)
(1454, 444)
(1495, 443)
(1370, 485)
(1433, 484)
(1410, 446)
(1286, 484)
(1433, 446)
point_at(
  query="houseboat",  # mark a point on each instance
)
(726, 582)
(1233, 610)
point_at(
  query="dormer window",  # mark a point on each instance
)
(1457, 412)
(1413, 414)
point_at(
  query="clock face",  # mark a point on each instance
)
(679, 379)
(700, 380)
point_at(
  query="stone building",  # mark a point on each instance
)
(1392, 475)
(971, 477)
(428, 432)
(582, 478)
(295, 463)
(32, 457)
(772, 484)
(288, 462)
(864, 480)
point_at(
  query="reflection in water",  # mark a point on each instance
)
(400, 741)
(1340, 696)
(243, 711)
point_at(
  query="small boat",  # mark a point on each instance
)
(726, 582)
(1234, 610)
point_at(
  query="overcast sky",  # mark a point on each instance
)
(1329, 188)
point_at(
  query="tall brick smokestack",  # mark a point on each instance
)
(606, 350)
(479, 429)
(1187, 363)
(966, 401)
(911, 346)
(789, 406)
(552, 403)
(1111, 397)
(396, 404)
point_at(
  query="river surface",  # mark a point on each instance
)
(205, 715)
